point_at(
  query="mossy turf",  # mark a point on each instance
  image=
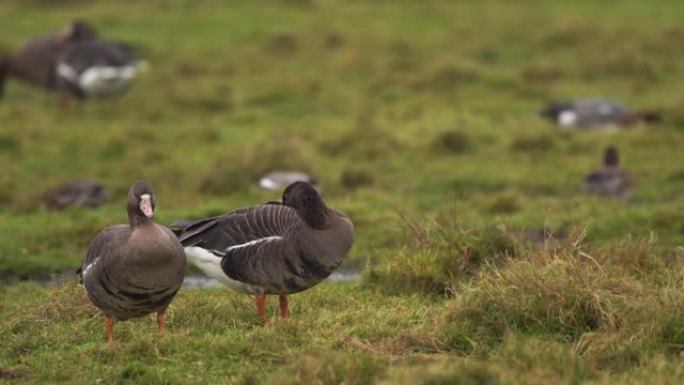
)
(420, 120)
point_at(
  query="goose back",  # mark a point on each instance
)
(81, 192)
(95, 68)
(587, 112)
(609, 181)
(269, 248)
(600, 112)
(34, 62)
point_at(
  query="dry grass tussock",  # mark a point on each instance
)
(601, 302)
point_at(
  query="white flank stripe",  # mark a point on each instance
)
(87, 268)
(254, 242)
(67, 72)
(210, 264)
(567, 118)
(106, 80)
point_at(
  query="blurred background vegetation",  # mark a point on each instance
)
(420, 120)
(397, 107)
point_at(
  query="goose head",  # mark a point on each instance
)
(304, 198)
(141, 203)
(78, 30)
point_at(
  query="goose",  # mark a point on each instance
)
(132, 270)
(272, 248)
(96, 69)
(276, 180)
(34, 62)
(595, 113)
(609, 181)
(80, 192)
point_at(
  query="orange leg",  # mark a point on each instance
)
(63, 100)
(261, 306)
(161, 321)
(109, 325)
(283, 305)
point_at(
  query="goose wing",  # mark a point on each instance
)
(101, 246)
(239, 227)
(260, 246)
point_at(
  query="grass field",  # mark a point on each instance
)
(420, 119)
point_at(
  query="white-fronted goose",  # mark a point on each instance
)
(34, 62)
(595, 113)
(135, 269)
(81, 192)
(271, 248)
(95, 68)
(277, 180)
(609, 181)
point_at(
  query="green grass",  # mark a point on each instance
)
(420, 120)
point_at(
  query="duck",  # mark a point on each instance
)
(275, 248)
(609, 181)
(34, 62)
(131, 270)
(96, 69)
(80, 193)
(590, 113)
(277, 180)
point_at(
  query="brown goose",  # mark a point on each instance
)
(34, 62)
(80, 192)
(271, 248)
(609, 181)
(135, 269)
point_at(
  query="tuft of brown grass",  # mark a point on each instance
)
(447, 78)
(437, 257)
(453, 142)
(66, 302)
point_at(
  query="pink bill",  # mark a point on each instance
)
(146, 208)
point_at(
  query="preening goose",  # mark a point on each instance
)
(271, 248)
(135, 269)
(34, 62)
(595, 113)
(609, 181)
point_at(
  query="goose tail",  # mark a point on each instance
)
(178, 227)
